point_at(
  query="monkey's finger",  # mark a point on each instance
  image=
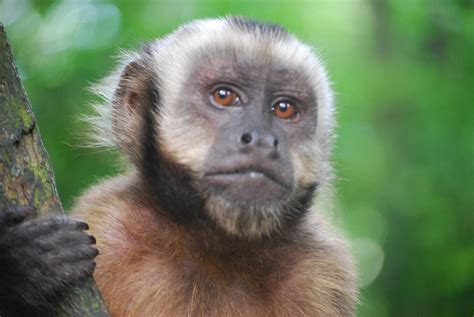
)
(63, 238)
(47, 224)
(80, 224)
(69, 256)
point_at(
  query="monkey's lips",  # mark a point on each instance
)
(250, 174)
(248, 183)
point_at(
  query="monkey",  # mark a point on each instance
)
(41, 258)
(227, 125)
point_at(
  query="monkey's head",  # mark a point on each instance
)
(226, 118)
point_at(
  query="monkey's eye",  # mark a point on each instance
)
(285, 110)
(224, 97)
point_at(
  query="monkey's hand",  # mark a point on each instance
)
(41, 257)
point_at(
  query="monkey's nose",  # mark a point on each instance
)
(259, 140)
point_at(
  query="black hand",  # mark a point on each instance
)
(42, 257)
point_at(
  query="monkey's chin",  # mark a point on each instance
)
(246, 204)
(245, 219)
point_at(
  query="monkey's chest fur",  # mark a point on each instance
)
(150, 266)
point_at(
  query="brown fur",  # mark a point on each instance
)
(151, 266)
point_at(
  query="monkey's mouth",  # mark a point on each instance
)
(251, 174)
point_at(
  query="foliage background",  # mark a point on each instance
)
(404, 76)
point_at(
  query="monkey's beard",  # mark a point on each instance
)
(252, 220)
(245, 219)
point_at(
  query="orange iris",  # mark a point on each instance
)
(285, 110)
(224, 97)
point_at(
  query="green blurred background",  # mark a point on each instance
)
(403, 72)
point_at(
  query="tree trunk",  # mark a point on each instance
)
(26, 175)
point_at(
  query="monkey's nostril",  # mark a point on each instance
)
(246, 138)
(275, 143)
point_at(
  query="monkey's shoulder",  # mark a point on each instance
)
(100, 200)
(322, 274)
(111, 209)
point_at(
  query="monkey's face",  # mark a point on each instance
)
(248, 123)
(229, 114)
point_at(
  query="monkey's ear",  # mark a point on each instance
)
(132, 86)
(128, 102)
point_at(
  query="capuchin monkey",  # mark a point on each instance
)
(228, 125)
(40, 260)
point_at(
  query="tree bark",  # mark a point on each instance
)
(26, 175)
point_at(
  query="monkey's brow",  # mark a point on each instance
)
(229, 74)
(295, 93)
(290, 83)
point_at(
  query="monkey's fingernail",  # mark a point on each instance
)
(82, 225)
(92, 239)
